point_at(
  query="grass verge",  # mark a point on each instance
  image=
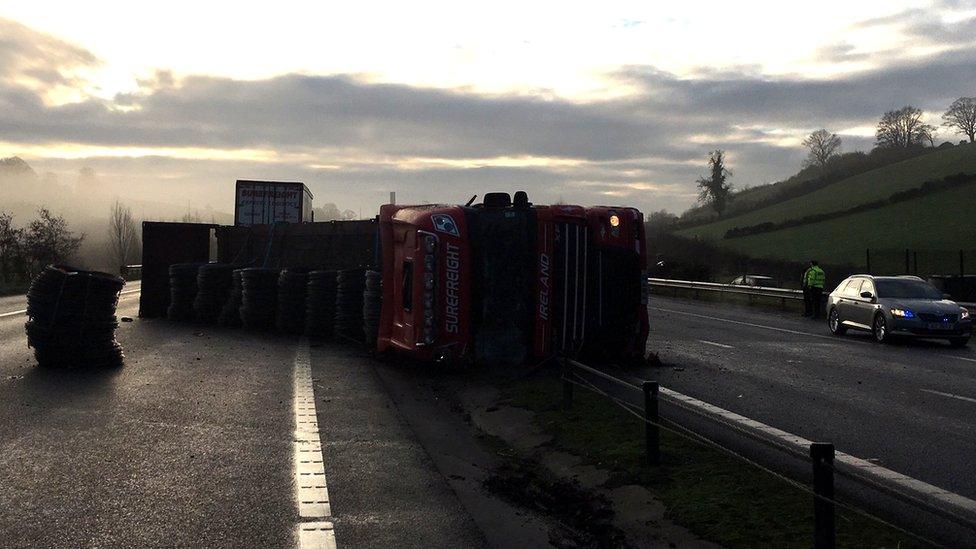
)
(712, 494)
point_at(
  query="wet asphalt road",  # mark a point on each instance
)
(191, 444)
(910, 405)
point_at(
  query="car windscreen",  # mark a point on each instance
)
(906, 289)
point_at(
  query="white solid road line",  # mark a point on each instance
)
(722, 345)
(746, 323)
(315, 529)
(949, 395)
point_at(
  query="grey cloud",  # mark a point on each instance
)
(325, 116)
(25, 52)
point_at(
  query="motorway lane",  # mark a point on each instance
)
(189, 444)
(911, 406)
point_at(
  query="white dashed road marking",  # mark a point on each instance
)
(949, 395)
(311, 489)
(722, 345)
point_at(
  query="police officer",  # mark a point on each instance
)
(814, 280)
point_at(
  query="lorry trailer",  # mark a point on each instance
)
(506, 281)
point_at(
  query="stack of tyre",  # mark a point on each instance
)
(292, 286)
(258, 298)
(230, 314)
(372, 304)
(320, 304)
(182, 290)
(71, 317)
(350, 285)
(214, 281)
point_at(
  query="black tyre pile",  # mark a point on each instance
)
(320, 304)
(214, 282)
(372, 304)
(292, 285)
(71, 318)
(182, 290)
(259, 298)
(230, 314)
(349, 304)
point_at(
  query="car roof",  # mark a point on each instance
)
(897, 277)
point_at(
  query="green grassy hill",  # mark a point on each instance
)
(941, 221)
(870, 186)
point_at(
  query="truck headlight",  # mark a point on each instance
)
(903, 313)
(964, 314)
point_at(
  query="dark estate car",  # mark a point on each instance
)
(896, 305)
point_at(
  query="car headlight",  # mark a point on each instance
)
(903, 313)
(964, 314)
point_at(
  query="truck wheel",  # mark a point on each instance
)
(880, 329)
(834, 324)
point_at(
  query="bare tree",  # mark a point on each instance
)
(715, 189)
(49, 240)
(122, 233)
(823, 146)
(961, 116)
(903, 129)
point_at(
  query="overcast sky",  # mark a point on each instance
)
(615, 103)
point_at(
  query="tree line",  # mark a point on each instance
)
(899, 129)
(47, 239)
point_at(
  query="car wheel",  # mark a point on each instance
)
(834, 324)
(958, 342)
(880, 329)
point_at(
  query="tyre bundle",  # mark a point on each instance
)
(230, 314)
(182, 290)
(320, 304)
(214, 281)
(372, 305)
(292, 285)
(71, 317)
(259, 295)
(349, 304)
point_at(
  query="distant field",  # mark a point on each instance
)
(867, 187)
(945, 220)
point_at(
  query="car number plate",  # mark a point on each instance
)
(939, 326)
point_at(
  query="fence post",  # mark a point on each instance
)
(962, 264)
(867, 257)
(651, 431)
(822, 455)
(915, 261)
(908, 266)
(567, 387)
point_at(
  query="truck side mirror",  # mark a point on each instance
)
(867, 295)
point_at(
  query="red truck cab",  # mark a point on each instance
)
(505, 281)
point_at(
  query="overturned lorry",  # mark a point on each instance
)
(502, 281)
(506, 281)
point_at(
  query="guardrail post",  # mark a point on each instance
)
(651, 431)
(822, 455)
(567, 387)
